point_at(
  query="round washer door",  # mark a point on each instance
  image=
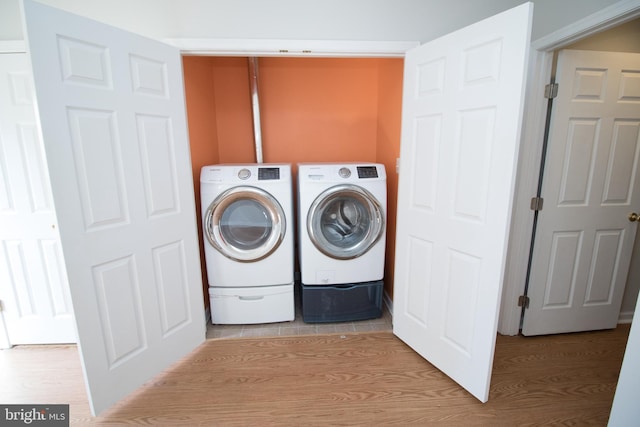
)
(345, 221)
(245, 224)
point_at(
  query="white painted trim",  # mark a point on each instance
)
(5, 342)
(8, 46)
(526, 187)
(616, 14)
(531, 148)
(625, 317)
(13, 46)
(306, 48)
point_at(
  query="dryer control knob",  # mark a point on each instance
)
(244, 173)
(344, 173)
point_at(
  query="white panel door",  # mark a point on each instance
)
(462, 108)
(584, 239)
(112, 114)
(36, 305)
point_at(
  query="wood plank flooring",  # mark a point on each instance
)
(338, 379)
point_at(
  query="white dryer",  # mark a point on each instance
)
(342, 238)
(247, 215)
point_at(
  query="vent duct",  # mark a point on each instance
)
(255, 107)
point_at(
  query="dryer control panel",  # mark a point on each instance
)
(268, 173)
(367, 172)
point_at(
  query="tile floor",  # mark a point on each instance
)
(298, 327)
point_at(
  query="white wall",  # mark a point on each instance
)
(623, 38)
(420, 20)
(10, 23)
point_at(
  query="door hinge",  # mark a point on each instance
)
(551, 90)
(536, 203)
(523, 301)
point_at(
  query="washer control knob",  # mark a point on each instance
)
(244, 173)
(344, 173)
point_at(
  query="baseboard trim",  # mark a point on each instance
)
(625, 317)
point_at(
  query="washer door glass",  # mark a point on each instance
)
(245, 224)
(345, 221)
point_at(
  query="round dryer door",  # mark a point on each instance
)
(245, 224)
(345, 221)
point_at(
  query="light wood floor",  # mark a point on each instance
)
(367, 379)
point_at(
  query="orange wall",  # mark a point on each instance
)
(233, 110)
(318, 109)
(312, 110)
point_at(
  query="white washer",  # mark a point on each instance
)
(247, 213)
(342, 222)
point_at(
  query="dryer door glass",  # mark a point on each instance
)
(345, 221)
(245, 224)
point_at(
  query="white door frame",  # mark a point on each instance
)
(540, 63)
(292, 48)
(13, 46)
(8, 46)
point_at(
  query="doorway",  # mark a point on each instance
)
(623, 38)
(608, 27)
(583, 239)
